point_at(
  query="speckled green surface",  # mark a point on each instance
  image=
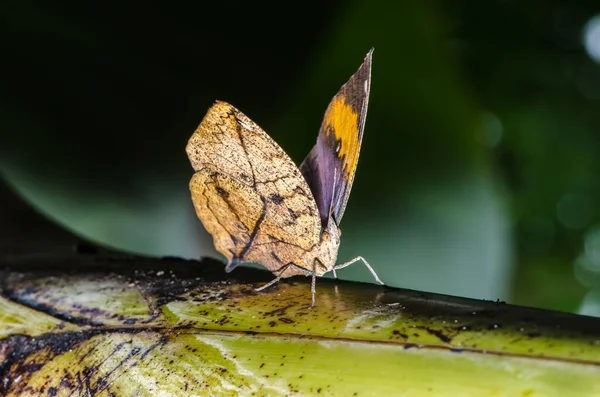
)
(117, 327)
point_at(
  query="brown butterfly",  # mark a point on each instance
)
(258, 206)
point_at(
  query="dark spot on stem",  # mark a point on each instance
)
(439, 334)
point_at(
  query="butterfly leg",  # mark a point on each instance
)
(280, 276)
(313, 283)
(276, 279)
(359, 258)
(334, 273)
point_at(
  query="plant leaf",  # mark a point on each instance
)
(111, 325)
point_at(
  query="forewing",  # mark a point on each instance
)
(248, 193)
(331, 165)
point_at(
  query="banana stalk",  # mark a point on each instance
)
(109, 325)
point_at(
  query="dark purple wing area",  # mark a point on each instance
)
(310, 170)
(330, 166)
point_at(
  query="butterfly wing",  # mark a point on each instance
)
(331, 165)
(248, 193)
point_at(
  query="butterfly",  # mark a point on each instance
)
(259, 206)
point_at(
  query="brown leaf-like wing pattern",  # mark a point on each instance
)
(248, 193)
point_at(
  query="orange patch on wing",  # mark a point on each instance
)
(344, 121)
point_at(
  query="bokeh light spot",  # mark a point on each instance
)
(591, 38)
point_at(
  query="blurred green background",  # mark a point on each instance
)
(478, 172)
